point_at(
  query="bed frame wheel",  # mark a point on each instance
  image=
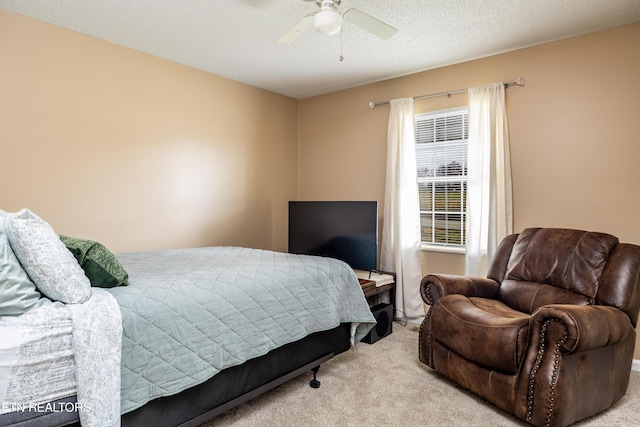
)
(314, 383)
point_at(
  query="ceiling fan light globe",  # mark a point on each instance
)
(327, 22)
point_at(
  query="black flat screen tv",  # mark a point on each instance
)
(346, 230)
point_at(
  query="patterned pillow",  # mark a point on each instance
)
(53, 269)
(99, 264)
(18, 294)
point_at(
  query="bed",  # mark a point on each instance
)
(192, 333)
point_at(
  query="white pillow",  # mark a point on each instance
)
(18, 294)
(44, 257)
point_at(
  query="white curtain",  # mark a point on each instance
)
(400, 243)
(489, 197)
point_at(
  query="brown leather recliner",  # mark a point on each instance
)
(549, 334)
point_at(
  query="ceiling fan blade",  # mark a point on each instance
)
(369, 23)
(297, 29)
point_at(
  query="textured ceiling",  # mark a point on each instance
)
(237, 38)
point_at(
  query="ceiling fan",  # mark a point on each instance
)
(328, 21)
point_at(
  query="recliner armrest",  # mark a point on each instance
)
(585, 327)
(434, 286)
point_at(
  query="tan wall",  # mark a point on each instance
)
(574, 131)
(137, 152)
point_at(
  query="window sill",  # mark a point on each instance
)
(443, 249)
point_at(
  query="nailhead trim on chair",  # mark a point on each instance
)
(428, 340)
(554, 377)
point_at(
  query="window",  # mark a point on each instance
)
(441, 157)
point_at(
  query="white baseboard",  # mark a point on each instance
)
(635, 366)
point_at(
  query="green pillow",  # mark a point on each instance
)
(99, 264)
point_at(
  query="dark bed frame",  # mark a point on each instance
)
(229, 388)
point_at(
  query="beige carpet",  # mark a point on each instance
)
(384, 384)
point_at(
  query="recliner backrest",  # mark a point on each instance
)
(555, 266)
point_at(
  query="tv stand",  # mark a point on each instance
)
(370, 289)
(384, 313)
(368, 283)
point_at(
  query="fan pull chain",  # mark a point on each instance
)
(341, 57)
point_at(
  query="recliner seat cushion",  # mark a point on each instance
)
(483, 331)
(527, 296)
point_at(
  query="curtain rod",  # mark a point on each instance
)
(519, 81)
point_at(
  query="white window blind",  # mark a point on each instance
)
(441, 157)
